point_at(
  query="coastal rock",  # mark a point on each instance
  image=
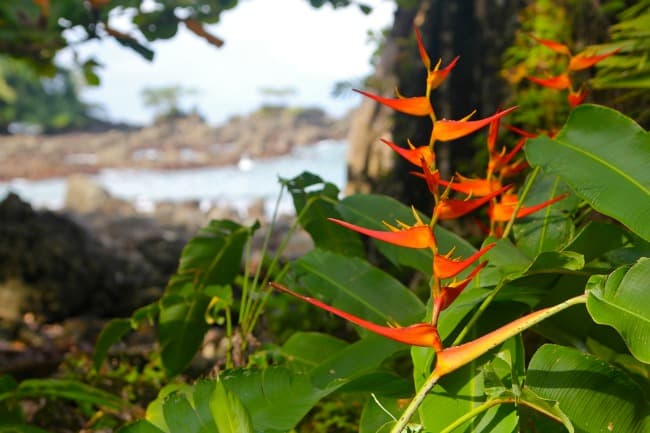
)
(83, 195)
(52, 267)
(181, 142)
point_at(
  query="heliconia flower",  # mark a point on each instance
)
(502, 212)
(579, 61)
(435, 76)
(559, 82)
(432, 179)
(498, 161)
(474, 187)
(583, 61)
(493, 133)
(451, 291)
(413, 154)
(455, 357)
(446, 130)
(446, 267)
(521, 132)
(450, 208)
(419, 334)
(555, 46)
(415, 106)
(419, 235)
(423, 52)
(577, 98)
(514, 168)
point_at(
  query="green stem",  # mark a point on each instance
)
(245, 291)
(474, 412)
(229, 363)
(494, 402)
(415, 403)
(520, 202)
(486, 302)
(258, 306)
(257, 311)
(267, 237)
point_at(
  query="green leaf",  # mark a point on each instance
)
(380, 383)
(182, 327)
(148, 314)
(213, 256)
(550, 228)
(179, 414)
(229, 412)
(313, 207)
(505, 262)
(306, 350)
(356, 359)
(556, 262)
(111, 334)
(596, 238)
(156, 412)
(604, 157)
(141, 426)
(547, 407)
(276, 398)
(161, 24)
(63, 388)
(596, 396)
(622, 300)
(353, 285)
(374, 416)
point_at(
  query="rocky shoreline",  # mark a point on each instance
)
(185, 142)
(62, 273)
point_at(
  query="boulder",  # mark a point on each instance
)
(84, 195)
(52, 267)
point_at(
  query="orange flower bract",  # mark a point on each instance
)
(417, 236)
(446, 267)
(419, 334)
(447, 130)
(415, 106)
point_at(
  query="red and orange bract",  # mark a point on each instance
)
(502, 212)
(419, 334)
(446, 267)
(417, 236)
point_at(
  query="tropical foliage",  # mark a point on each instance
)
(539, 322)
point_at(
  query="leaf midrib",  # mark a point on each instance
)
(598, 159)
(343, 288)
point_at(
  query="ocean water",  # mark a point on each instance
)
(235, 186)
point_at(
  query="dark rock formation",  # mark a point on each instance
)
(51, 266)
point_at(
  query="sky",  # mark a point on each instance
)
(268, 44)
